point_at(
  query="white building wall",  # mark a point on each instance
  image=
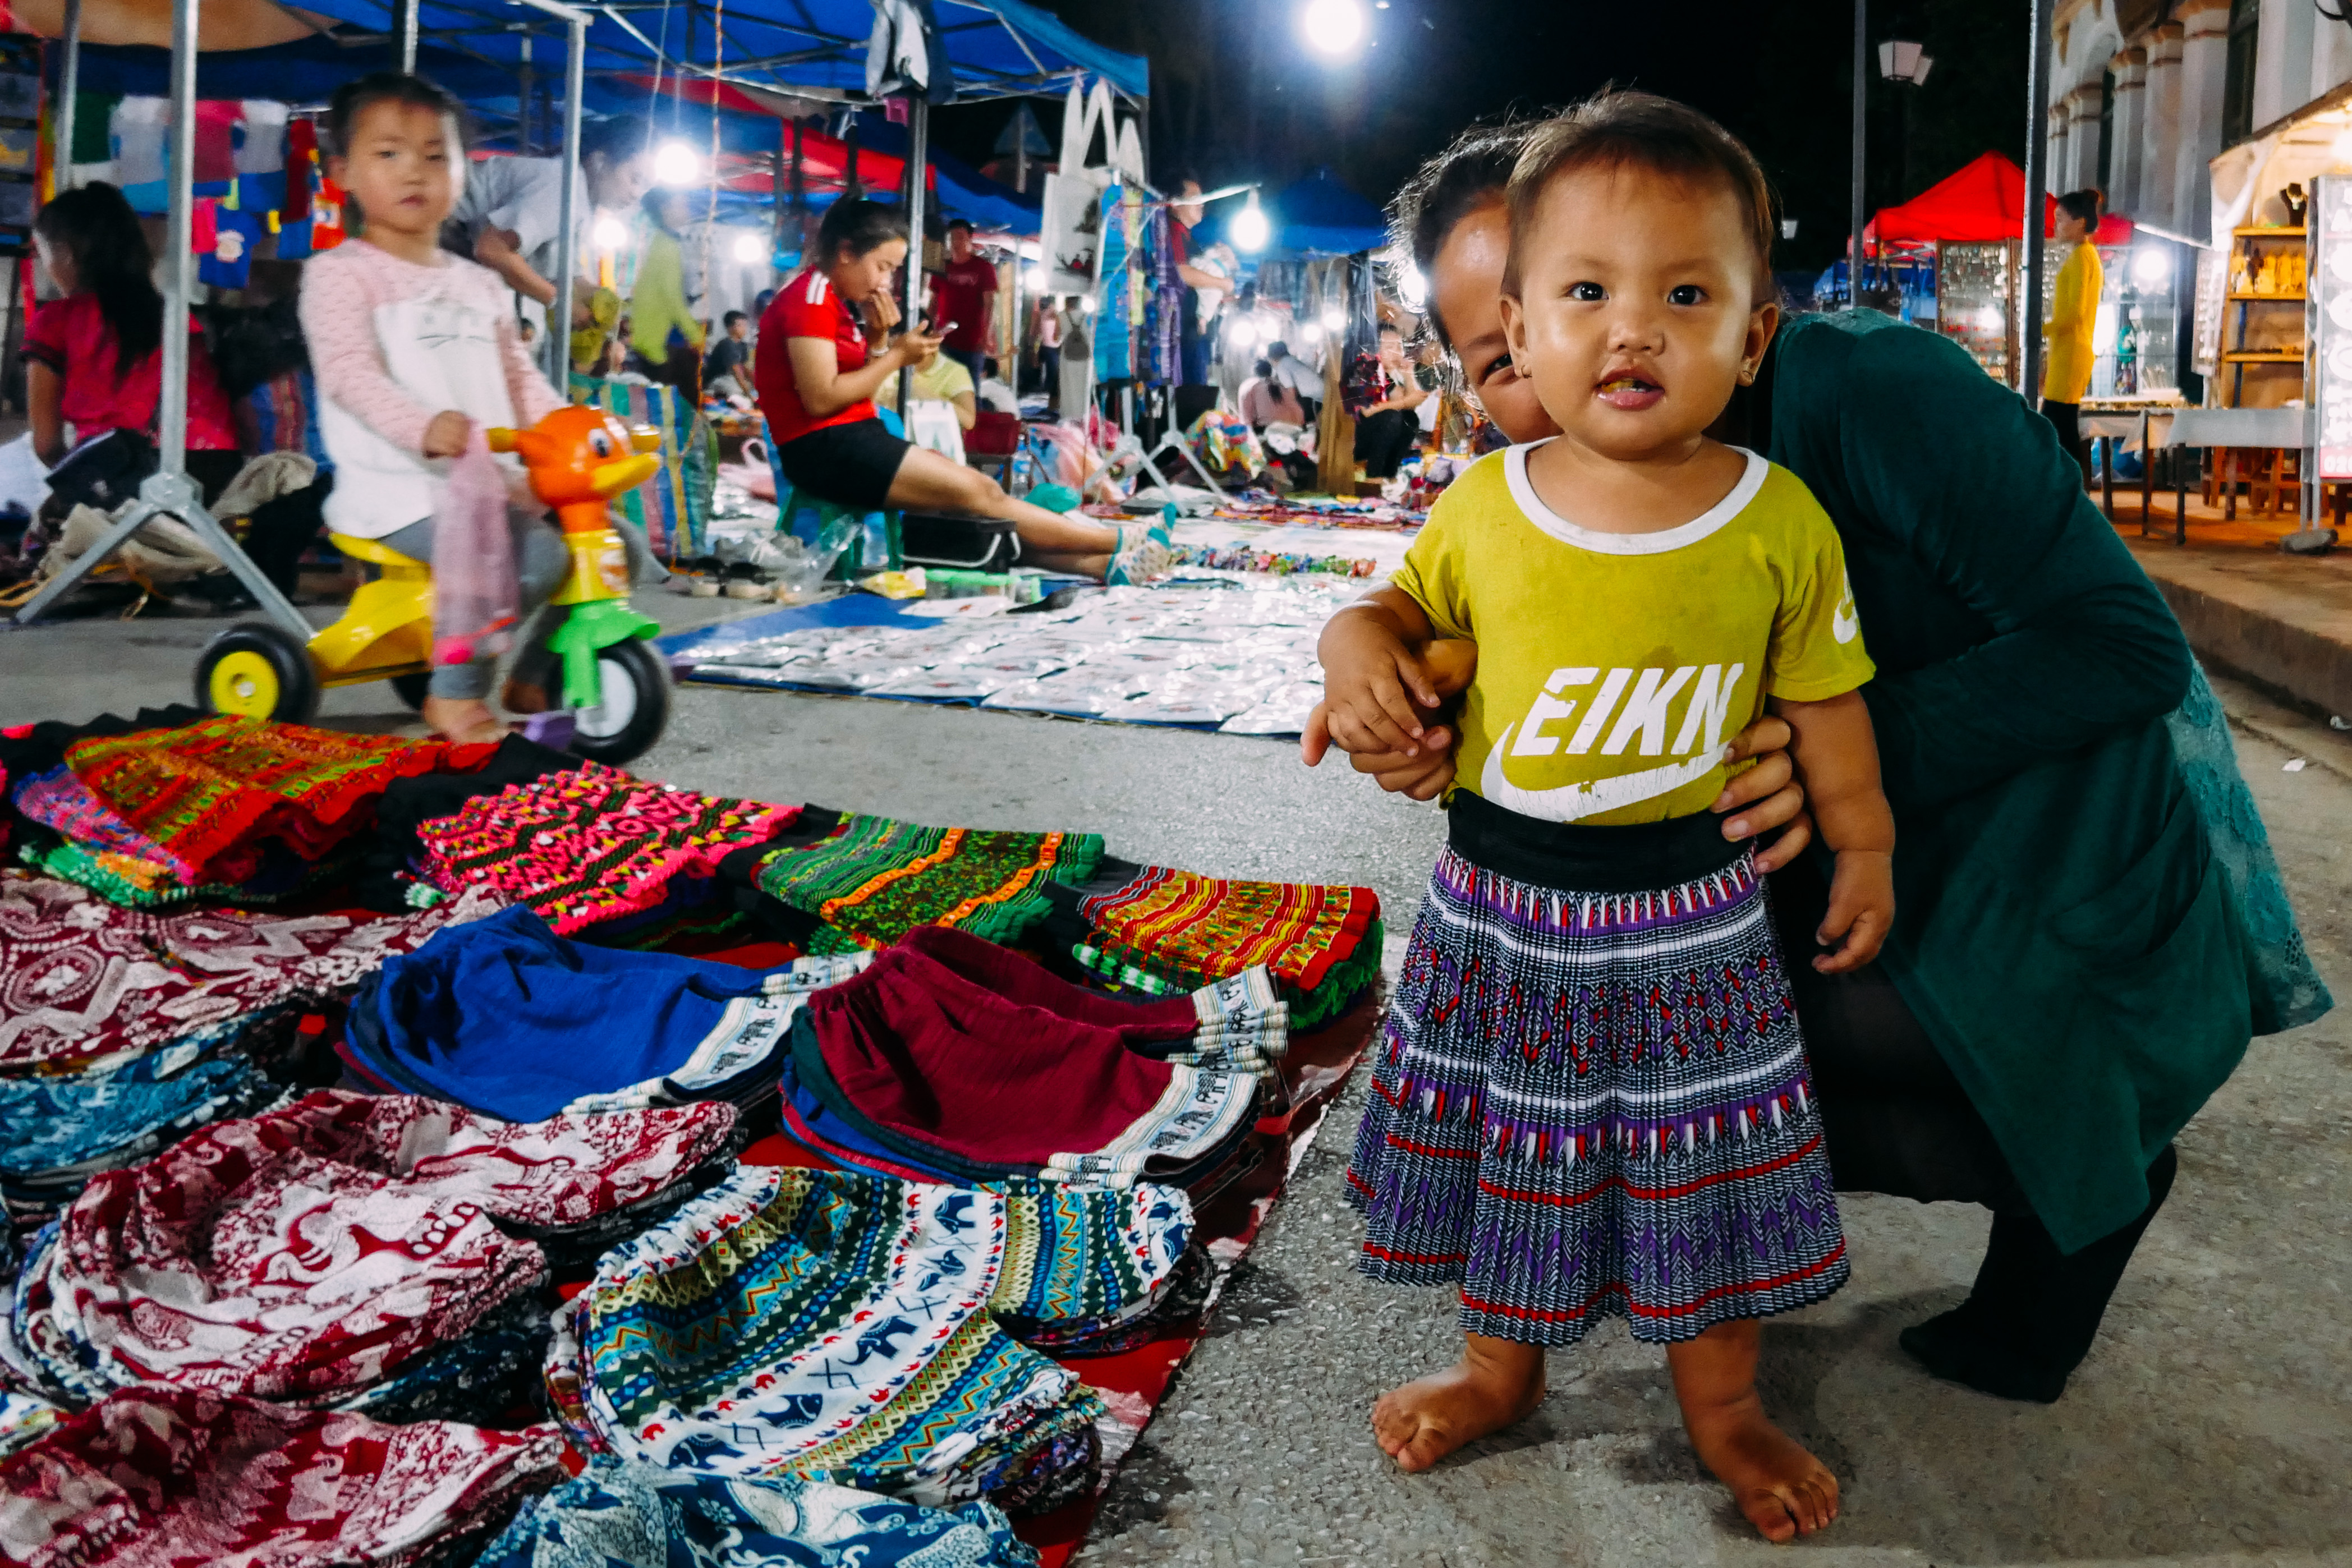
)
(2331, 56)
(2160, 136)
(2283, 58)
(2204, 68)
(2130, 70)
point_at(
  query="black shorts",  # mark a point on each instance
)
(849, 465)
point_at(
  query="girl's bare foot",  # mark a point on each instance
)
(1496, 1383)
(1784, 1490)
(462, 719)
(524, 696)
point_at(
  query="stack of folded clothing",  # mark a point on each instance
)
(1161, 931)
(391, 857)
(173, 804)
(1092, 1271)
(615, 1514)
(596, 851)
(952, 1058)
(310, 1254)
(507, 1017)
(837, 1327)
(858, 882)
(57, 1132)
(156, 1477)
(86, 986)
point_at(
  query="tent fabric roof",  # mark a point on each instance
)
(1982, 203)
(1314, 216)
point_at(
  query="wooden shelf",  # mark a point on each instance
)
(2265, 356)
(2268, 233)
(2267, 298)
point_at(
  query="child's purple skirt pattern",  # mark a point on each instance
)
(1589, 1103)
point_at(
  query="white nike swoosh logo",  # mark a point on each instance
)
(1571, 802)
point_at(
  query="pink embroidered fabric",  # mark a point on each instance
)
(86, 985)
(304, 1254)
(594, 844)
(182, 1478)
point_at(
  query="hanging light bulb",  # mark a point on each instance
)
(1250, 230)
(610, 233)
(750, 249)
(1411, 286)
(1243, 332)
(1309, 333)
(1334, 320)
(676, 163)
(1334, 26)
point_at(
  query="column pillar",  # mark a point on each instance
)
(2204, 71)
(2331, 58)
(2160, 132)
(2082, 139)
(2282, 60)
(2130, 68)
(2057, 164)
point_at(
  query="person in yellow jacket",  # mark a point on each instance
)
(2073, 308)
(662, 325)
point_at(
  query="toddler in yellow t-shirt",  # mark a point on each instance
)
(1590, 1095)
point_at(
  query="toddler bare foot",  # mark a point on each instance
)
(1783, 1490)
(1496, 1383)
(461, 719)
(524, 696)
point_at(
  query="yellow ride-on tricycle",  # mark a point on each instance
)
(616, 690)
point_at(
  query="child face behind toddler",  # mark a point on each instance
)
(1635, 310)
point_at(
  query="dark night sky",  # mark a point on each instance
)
(1236, 95)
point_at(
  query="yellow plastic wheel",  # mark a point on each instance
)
(258, 671)
(244, 683)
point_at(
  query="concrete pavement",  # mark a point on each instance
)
(2212, 1424)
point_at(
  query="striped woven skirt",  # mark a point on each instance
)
(1587, 1104)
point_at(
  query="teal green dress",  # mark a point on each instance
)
(2089, 924)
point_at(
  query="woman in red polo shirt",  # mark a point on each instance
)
(817, 376)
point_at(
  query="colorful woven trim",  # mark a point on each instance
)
(212, 793)
(1192, 929)
(875, 880)
(594, 844)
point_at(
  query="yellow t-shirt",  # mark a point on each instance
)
(944, 379)
(1612, 667)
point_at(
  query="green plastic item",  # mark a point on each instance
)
(589, 629)
(1053, 498)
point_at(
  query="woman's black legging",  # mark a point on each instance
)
(2067, 419)
(1384, 440)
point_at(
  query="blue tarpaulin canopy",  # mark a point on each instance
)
(1319, 216)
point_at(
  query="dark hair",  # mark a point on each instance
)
(988, 367)
(858, 225)
(1616, 130)
(1475, 170)
(618, 139)
(1392, 328)
(1262, 368)
(955, 224)
(96, 226)
(1278, 350)
(656, 204)
(354, 98)
(732, 318)
(2083, 206)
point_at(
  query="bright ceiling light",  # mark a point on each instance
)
(610, 233)
(1244, 331)
(2150, 266)
(1334, 26)
(1035, 277)
(676, 163)
(1334, 320)
(750, 249)
(1250, 230)
(1308, 333)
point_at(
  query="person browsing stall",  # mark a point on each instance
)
(818, 372)
(1640, 593)
(2074, 312)
(963, 296)
(729, 359)
(416, 351)
(510, 211)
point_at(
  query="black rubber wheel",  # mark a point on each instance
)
(259, 670)
(413, 689)
(636, 709)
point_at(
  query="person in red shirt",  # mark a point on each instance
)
(94, 359)
(963, 294)
(817, 372)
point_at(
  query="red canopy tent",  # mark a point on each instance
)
(1982, 203)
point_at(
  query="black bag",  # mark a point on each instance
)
(104, 472)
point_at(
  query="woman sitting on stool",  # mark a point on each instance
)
(817, 378)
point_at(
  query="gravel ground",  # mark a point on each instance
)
(2212, 1423)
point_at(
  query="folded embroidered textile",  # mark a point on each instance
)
(1159, 930)
(481, 1378)
(504, 1016)
(870, 880)
(391, 855)
(306, 1254)
(974, 1060)
(212, 791)
(180, 1477)
(86, 986)
(621, 1515)
(278, 874)
(57, 1132)
(826, 1324)
(595, 848)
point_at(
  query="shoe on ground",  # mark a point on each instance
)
(1957, 1347)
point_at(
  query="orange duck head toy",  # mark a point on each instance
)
(579, 458)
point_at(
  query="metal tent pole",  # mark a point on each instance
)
(567, 262)
(406, 28)
(169, 492)
(68, 90)
(2037, 186)
(1860, 134)
(919, 134)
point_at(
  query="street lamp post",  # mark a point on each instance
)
(2037, 186)
(1861, 100)
(1906, 64)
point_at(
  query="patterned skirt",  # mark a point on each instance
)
(1587, 1104)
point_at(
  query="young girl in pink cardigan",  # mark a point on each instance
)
(414, 348)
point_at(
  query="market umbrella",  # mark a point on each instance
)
(1982, 203)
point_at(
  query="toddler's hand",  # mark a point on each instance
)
(1861, 912)
(447, 435)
